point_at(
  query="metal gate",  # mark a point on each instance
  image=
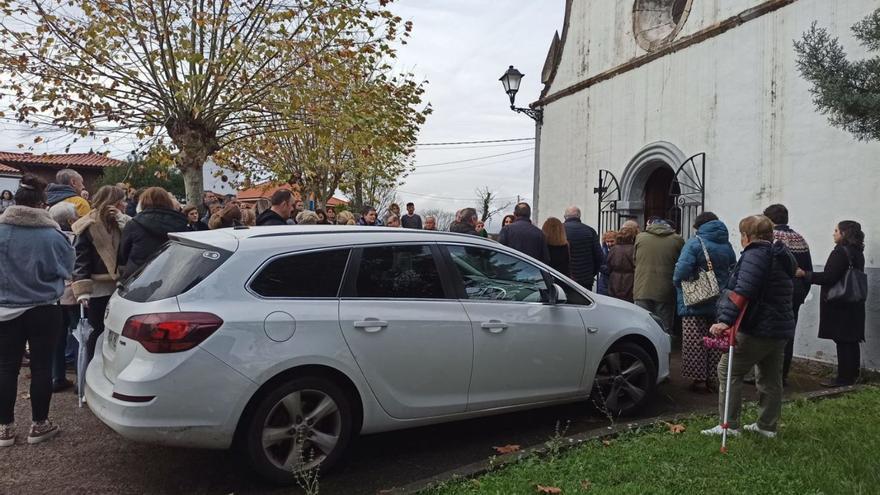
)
(688, 192)
(609, 195)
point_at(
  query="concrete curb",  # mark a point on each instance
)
(482, 467)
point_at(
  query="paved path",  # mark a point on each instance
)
(87, 457)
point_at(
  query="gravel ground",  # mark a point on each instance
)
(88, 457)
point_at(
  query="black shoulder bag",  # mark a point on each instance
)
(852, 288)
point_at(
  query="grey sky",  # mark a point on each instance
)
(461, 47)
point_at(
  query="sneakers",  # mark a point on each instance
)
(42, 431)
(7, 435)
(754, 429)
(718, 430)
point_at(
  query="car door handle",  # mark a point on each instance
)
(494, 326)
(371, 325)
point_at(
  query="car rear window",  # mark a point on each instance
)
(175, 269)
(303, 275)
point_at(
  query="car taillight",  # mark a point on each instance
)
(171, 332)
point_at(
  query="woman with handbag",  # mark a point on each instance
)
(704, 265)
(842, 303)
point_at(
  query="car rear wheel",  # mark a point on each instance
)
(625, 380)
(301, 425)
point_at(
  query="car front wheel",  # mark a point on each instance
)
(303, 424)
(625, 380)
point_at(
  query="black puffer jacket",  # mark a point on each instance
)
(764, 275)
(145, 234)
(586, 251)
(269, 217)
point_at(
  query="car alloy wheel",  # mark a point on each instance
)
(301, 430)
(625, 380)
(300, 425)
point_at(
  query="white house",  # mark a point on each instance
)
(671, 107)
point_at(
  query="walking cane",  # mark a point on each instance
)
(741, 303)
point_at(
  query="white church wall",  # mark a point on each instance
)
(601, 35)
(739, 98)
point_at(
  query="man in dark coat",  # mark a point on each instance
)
(584, 248)
(778, 214)
(279, 212)
(763, 280)
(467, 223)
(523, 236)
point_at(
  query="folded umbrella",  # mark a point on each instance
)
(81, 334)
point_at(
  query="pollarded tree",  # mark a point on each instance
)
(848, 92)
(363, 121)
(488, 204)
(208, 74)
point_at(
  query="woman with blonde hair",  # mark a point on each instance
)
(557, 244)
(98, 237)
(248, 217)
(345, 217)
(621, 264)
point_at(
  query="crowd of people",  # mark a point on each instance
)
(773, 274)
(63, 252)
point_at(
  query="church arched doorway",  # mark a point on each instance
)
(658, 202)
(660, 181)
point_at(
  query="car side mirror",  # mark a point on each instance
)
(561, 297)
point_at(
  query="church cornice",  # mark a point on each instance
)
(680, 44)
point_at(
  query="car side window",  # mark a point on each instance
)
(401, 272)
(316, 274)
(573, 297)
(495, 276)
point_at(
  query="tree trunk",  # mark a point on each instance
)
(194, 182)
(196, 143)
(358, 194)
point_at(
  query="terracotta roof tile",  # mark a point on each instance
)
(5, 169)
(91, 160)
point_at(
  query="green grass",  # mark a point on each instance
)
(824, 447)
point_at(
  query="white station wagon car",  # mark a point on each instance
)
(285, 342)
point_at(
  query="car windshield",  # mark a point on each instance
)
(175, 269)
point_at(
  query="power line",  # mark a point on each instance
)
(477, 142)
(432, 196)
(503, 145)
(469, 167)
(474, 159)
